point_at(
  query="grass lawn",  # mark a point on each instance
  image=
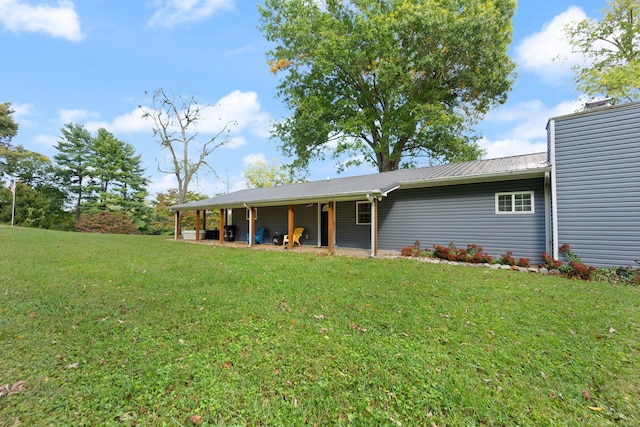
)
(133, 330)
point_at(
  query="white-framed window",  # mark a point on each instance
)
(246, 213)
(521, 202)
(363, 213)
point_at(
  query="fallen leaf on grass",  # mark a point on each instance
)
(357, 327)
(320, 316)
(33, 314)
(72, 365)
(16, 388)
(227, 365)
(595, 408)
(196, 419)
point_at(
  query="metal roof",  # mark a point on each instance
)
(380, 184)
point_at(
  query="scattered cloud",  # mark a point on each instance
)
(46, 140)
(76, 115)
(174, 12)
(21, 110)
(524, 127)
(60, 21)
(547, 53)
(240, 107)
(127, 123)
(254, 158)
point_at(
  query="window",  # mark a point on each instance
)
(363, 213)
(515, 203)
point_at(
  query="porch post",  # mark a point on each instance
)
(252, 231)
(176, 228)
(204, 219)
(223, 219)
(197, 225)
(331, 231)
(374, 227)
(290, 225)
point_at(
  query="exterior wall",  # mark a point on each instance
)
(348, 233)
(597, 171)
(463, 214)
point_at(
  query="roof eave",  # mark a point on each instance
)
(323, 198)
(469, 179)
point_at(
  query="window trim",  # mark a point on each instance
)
(513, 195)
(358, 204)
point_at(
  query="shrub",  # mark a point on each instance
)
(576, 268)
(481, 258)
(550, 262)
(106, 222)
(506, 259)
(524, 262)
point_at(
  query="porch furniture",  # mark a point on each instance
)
(258, 237)
(297, 233)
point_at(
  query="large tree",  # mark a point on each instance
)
(118, 180)
(387, 82)
(175, 121)
(612, 50)
(74, 151)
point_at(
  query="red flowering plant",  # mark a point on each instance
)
(550, 262)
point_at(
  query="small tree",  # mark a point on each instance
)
(174, 121)
(612, 49)
(260, 174)
(163, 218)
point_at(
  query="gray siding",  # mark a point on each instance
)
(348, 233)
(464, 214)
(597, 162)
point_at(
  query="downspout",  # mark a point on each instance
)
(374, 224)
(250, 224)
(554, 195)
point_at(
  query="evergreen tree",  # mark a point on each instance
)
(73, 159)
(118, 182)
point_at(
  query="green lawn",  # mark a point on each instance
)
(133, 330)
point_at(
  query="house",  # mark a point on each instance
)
(583, 191)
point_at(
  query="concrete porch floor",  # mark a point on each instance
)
(358, 253)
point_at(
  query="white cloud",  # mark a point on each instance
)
(75, 115)
(547, 53)
(127, 123)
(174, 12)
(254, 158)
(59, 21)
(46, 140)
(524, 127)
(21, 110)
(240, 107)
(161, 183)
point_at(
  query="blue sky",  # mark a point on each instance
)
(91, 62)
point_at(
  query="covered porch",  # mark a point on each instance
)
(346, 222)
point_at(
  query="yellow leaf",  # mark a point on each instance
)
(595, 408)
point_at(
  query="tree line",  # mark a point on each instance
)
(95, 182)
